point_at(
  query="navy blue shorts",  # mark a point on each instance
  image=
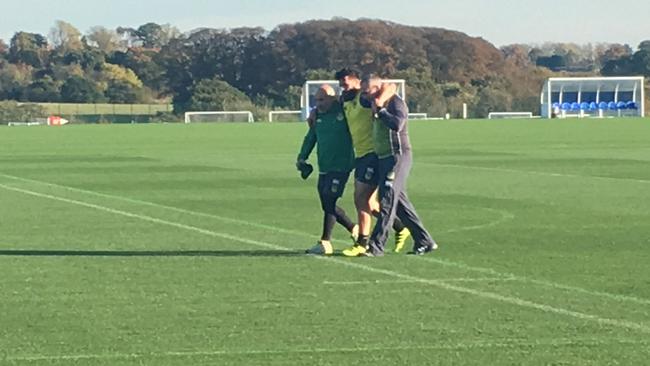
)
(366, 169)
(332, 184)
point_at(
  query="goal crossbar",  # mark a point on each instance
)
(26, 124)
(285, 113)
(493, 115)
(418, 116)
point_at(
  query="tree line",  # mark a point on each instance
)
(253, 68)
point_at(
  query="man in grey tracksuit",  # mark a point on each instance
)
(392, 145)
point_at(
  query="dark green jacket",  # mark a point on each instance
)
(331, 134)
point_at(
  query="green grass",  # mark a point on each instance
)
(177, 245)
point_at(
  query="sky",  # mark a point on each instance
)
(501, 22)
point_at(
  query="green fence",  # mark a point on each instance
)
(74, 109)
(106, 113)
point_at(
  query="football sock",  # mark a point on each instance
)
(398, 225)
(329, 221)
(363, 240)
(343, 219)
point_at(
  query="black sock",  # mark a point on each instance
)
(343, 219)
(363, 240)
(329, 221)
(398, 225)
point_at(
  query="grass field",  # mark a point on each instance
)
(180, 245)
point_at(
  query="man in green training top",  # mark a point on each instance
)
(359, 114)
(329, 130)
(392, 146)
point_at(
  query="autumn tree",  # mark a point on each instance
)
(65, 37)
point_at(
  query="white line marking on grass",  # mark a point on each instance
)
(355, 283)
(535, 281)
(533, 172)
(505, 343)
(495, 296)
(380, 282)
(358, 265)
(146, 218)
(157, 205)
(618, 297)
(505, 215)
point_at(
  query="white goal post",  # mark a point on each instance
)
(509, 115)
(221, 116)
(285, 116)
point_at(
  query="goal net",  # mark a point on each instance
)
(285, 116)
(509, 115)
(218, 117)
(308, 100)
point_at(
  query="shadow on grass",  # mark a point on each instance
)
(150, 253)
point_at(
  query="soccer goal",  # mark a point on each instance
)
(50, 121)
(509, 115)
(285, 116)
(308, 100)
(418, 116)
(25, 124)
(218, 117)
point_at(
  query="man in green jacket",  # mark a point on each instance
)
(330, 133)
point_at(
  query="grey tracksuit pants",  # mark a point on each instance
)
(393, 175)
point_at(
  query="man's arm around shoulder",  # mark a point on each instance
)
(395, 114)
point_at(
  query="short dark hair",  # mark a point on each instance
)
(347, 72)
(369, 77)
